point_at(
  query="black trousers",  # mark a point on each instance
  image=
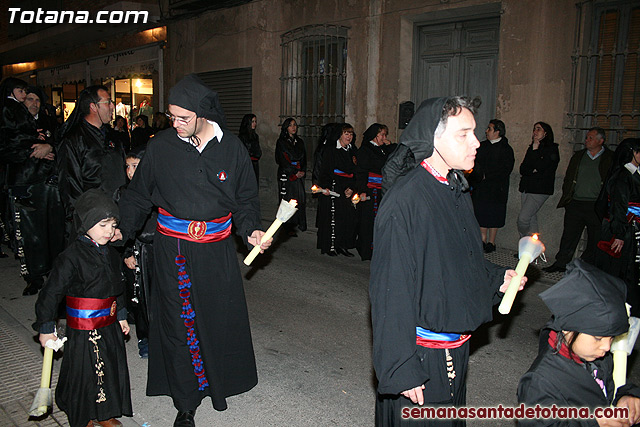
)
(577, 216)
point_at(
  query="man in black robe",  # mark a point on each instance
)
(199, 176)
(430, 284)
(90, 154)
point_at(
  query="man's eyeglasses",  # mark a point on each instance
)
(106, 101)
(179, 120)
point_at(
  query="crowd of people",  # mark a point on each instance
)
(120, 225)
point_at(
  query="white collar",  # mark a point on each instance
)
(374, 144)
(631, 167)
(217, 133)
(338, 145)
(493, 141)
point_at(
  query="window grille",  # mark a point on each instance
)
(313, 79)
(605, 83)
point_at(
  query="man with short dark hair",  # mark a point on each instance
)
(583, 180)
(90, 155)
(199, 175)
(430, 284)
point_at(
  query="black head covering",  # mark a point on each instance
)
(588, 300)
(92, 207)
(418, 135)
(192, 94)
(371, 132)
(39, 92)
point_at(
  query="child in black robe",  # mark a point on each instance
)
(93, 387)
(574, 367)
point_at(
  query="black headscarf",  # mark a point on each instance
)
(588, 300)
(192, 94)
(92, 207)
(371, 132)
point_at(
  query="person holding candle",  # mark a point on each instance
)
(371, 156)
(200, 176)
(291, 157)
(430, 284)
(94, 377)
(336, 215)
(574, 367)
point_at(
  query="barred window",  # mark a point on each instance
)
(313, 78)
(605, 88)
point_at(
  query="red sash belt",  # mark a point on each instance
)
(430, 339)
(374, 180)
(194, 231)
(90, 313)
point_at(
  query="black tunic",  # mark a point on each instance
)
(623, 187)
(291, 157)
(191, 185)
(336, 217)
(555, 379)
(427, 270)
(370, 158)
(85, 270)
(89, 157)
(490, 182)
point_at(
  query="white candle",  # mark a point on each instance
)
(529, 248)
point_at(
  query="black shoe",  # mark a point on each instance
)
(185, 419)
(33, 286)
(332, 253)
(345, 252)
(554, 268)
(489, 247)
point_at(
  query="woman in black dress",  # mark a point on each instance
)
(490, 182)
(291, 157)
(250, 139)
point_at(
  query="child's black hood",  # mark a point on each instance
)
(92, 207)
(588, 300)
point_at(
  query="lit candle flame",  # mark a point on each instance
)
(534, 237)
(314, 187)
(293, 202)
(355, 198)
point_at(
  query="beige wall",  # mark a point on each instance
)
(536, 41)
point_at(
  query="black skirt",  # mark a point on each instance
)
(94, 377)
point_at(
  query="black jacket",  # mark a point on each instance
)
(89, 158)
(19, 133)
(491, 171)
(538, 169)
